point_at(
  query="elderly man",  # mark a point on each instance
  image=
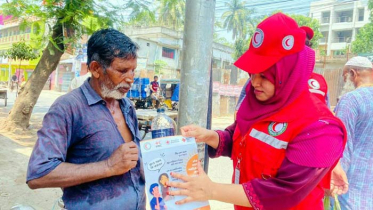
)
(355, 109)
(88, 144)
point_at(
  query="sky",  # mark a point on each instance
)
(263, 7)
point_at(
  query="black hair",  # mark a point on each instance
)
(106, 44)
(155, 77)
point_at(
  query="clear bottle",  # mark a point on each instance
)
(162, 125)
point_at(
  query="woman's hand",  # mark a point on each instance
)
(201, 135)
(339, 182)
(198, 188)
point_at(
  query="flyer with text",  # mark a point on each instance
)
(161, 157)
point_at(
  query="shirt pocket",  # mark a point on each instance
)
(98, 140)
(266, 159)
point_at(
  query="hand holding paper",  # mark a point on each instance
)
(201, 135)
(196, 188)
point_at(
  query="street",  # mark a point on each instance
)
(17, 148)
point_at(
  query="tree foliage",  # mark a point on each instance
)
(364, 40)
(72, 15)
(171, 13)
(66, 22)
(240, 47)
(141, 14)
(20, 51)
(159, 65)
(236, 18)
(312, 23)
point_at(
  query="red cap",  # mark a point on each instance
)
(318, 86)
(309, 32)
(274, 38)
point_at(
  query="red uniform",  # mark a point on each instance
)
(260, 152)
(318, 86)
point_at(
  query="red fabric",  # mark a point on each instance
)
(318, 86)
(292, 73)
(261, 160)
(155, 86)
(309, 32)
(275, 37)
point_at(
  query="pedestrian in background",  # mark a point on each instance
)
(355, 109)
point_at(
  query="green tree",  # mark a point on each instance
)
(364, 40)
(171, 13)
(235, 18)
(312, 23)
(370, 7)
(20, 51)
(140, 15)
(364, 37)
(65, 19)
(159, 65)
(240, 47)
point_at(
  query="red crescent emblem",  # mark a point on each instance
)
(286, 42)
(274, 126)
(256, 33)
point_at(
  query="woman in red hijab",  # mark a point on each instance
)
(283, 143)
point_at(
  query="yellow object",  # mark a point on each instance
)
(168, 103)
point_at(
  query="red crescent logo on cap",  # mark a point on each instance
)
(256, 33)
(258, 38)
(314, 84)
(288, 42)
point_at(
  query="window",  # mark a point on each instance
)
(168, 53)
(361, 14)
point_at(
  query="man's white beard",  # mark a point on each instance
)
(348, 86)
(114, 93)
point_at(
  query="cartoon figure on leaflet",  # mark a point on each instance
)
(156, 203)
(163, 179)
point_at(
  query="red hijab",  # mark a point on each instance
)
(290, 76)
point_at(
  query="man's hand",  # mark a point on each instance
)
(123, 159)
(339, 182)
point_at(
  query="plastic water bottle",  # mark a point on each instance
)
(162, 125)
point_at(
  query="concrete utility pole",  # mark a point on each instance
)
(196, 66)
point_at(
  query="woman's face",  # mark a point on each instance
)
(163, 180)
(263, 88)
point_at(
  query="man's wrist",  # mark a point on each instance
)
(107, 169)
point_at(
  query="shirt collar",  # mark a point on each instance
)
(90, 94)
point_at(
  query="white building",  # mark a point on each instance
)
(340, 21)
(160, 43)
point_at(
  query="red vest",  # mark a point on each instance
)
(260, 152)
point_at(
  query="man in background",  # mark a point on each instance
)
(355, 109)
(154, 88)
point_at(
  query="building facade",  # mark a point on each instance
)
(165, 45)
(340, 22)
(10, 32)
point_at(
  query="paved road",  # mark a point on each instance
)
(14, 159)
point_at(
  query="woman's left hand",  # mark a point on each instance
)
(197, 188)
